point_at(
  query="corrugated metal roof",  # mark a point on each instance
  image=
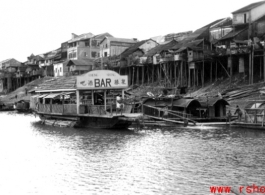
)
(248, 7)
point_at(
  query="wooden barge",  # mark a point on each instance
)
(91, 101)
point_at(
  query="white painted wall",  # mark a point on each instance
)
(257, 12)
(239, 18)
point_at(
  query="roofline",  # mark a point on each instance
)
(51, 90)
(249, 9)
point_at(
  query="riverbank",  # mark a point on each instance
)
(236, 92)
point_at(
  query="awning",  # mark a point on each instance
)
(52, 95)
(68, 93)
(34, 96)
(43, 95)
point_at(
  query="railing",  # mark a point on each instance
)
(255, 115)
(69, 108)
(57, 108)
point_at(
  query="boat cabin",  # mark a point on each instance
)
(94, 93)
(187, 106)
(213, 107)
(255, 111)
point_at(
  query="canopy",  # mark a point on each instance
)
(43, 95)
(52, 95)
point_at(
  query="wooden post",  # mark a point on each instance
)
(264, 63)
(175, 73)
(153, 70)
(249, 67)
(105, 99)
(77, 102)
(231, 68)
(181, 69)
(92, 97)
(160, 71)
(130, 76)
(215, 71)
(194, 75)
(260, 65)
(197, 77)
(189, 77)
(252, 65)
(137, 75)
(142, 75)
(211, 75)
(202, 73)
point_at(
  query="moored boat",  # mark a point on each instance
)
(88, 99)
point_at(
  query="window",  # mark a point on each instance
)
(74, 55)
(60, 69)
(94, 43)
(105, 54)
(85, 54)
(87, 43)
(55, 70)
(106, 45)
(93, 54)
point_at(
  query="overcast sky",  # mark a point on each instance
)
(39, 26)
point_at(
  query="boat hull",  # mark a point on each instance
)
(101, 122)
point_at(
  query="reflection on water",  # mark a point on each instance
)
(39, 159)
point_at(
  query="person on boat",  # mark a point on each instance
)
(239, 113)
(119, 105)
(228, 116)
(165, 114)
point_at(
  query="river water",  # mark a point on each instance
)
(39, 159)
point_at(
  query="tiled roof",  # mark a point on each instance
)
(5, 60)
(79, 62)
(102, 35)
(232, 34)
(248, 7)
(122, 40)
(81, 37)
(133, 48)
(160, 48)
(58, 83)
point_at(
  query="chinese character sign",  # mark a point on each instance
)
(102, 79)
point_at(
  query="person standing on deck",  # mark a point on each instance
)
(228, 116)
(239, 113)
(165, 114)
